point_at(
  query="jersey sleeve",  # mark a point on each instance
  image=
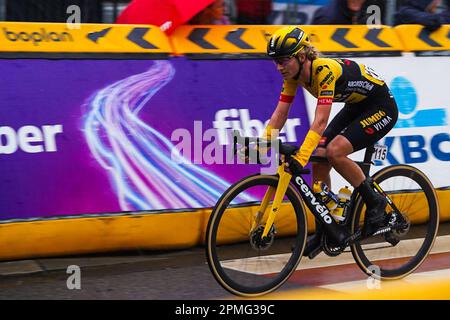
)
(326, 82)
(288, 91)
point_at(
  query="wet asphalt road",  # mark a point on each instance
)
(162, 276)
(171, 275)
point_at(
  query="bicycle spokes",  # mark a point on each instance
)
(400, 245)
(243, 260)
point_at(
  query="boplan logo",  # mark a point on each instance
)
(36, 37)
(417, 148)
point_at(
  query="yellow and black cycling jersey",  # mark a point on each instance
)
(336, 80)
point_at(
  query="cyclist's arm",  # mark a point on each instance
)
(281, 113)
(321, 118)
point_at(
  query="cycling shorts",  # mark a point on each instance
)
(365, 122)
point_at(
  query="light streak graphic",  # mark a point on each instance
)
(137, 157)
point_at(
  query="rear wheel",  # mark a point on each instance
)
(414, 217)
(242, 262)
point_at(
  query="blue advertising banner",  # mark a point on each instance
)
(102, 136)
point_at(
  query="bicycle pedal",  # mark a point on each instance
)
(389, 238)
(315, 252)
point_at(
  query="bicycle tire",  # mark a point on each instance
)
(212, 246)
(360, 255)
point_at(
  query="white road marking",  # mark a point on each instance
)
(415, 278)
(274, 263)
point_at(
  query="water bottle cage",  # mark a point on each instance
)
(324, 195)
(343, 204)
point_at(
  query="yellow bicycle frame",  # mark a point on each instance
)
(283, 183)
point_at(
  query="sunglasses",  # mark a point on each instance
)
(282, 61)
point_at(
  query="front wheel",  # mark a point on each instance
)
(240, 260)
(415, 215)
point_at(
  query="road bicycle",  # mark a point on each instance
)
(257, 231)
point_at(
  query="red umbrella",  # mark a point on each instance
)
(168, 14)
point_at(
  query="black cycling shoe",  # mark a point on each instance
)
(375, 217)
(313, 246)
(376, 204)
(314, 242)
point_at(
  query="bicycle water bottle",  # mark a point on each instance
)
(344, 196)
(321, 189)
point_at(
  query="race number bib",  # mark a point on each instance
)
(380, 152)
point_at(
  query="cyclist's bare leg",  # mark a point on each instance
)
(321, 170)
(337, 151)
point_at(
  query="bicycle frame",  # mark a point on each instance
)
(285, 179)
(317, 207)
(337, 232)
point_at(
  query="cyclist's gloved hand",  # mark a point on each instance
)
(257, 153)
(270, 133)
(243, 154)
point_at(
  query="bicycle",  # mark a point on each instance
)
(273, 240)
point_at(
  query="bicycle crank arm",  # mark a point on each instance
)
(382, 230)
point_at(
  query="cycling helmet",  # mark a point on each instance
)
(287, 42)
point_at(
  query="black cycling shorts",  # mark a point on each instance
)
(365, 122)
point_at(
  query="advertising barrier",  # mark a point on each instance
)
(112, 38)
(99, 155)
(96, 136)
(93, 38)
(253, 39)
(359, 38)
(417, 38)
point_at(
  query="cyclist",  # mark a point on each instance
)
(370, 112)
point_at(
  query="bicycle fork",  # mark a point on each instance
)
(283, 183)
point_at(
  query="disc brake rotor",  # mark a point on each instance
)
(256, 240)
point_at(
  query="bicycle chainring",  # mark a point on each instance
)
(330, 249)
